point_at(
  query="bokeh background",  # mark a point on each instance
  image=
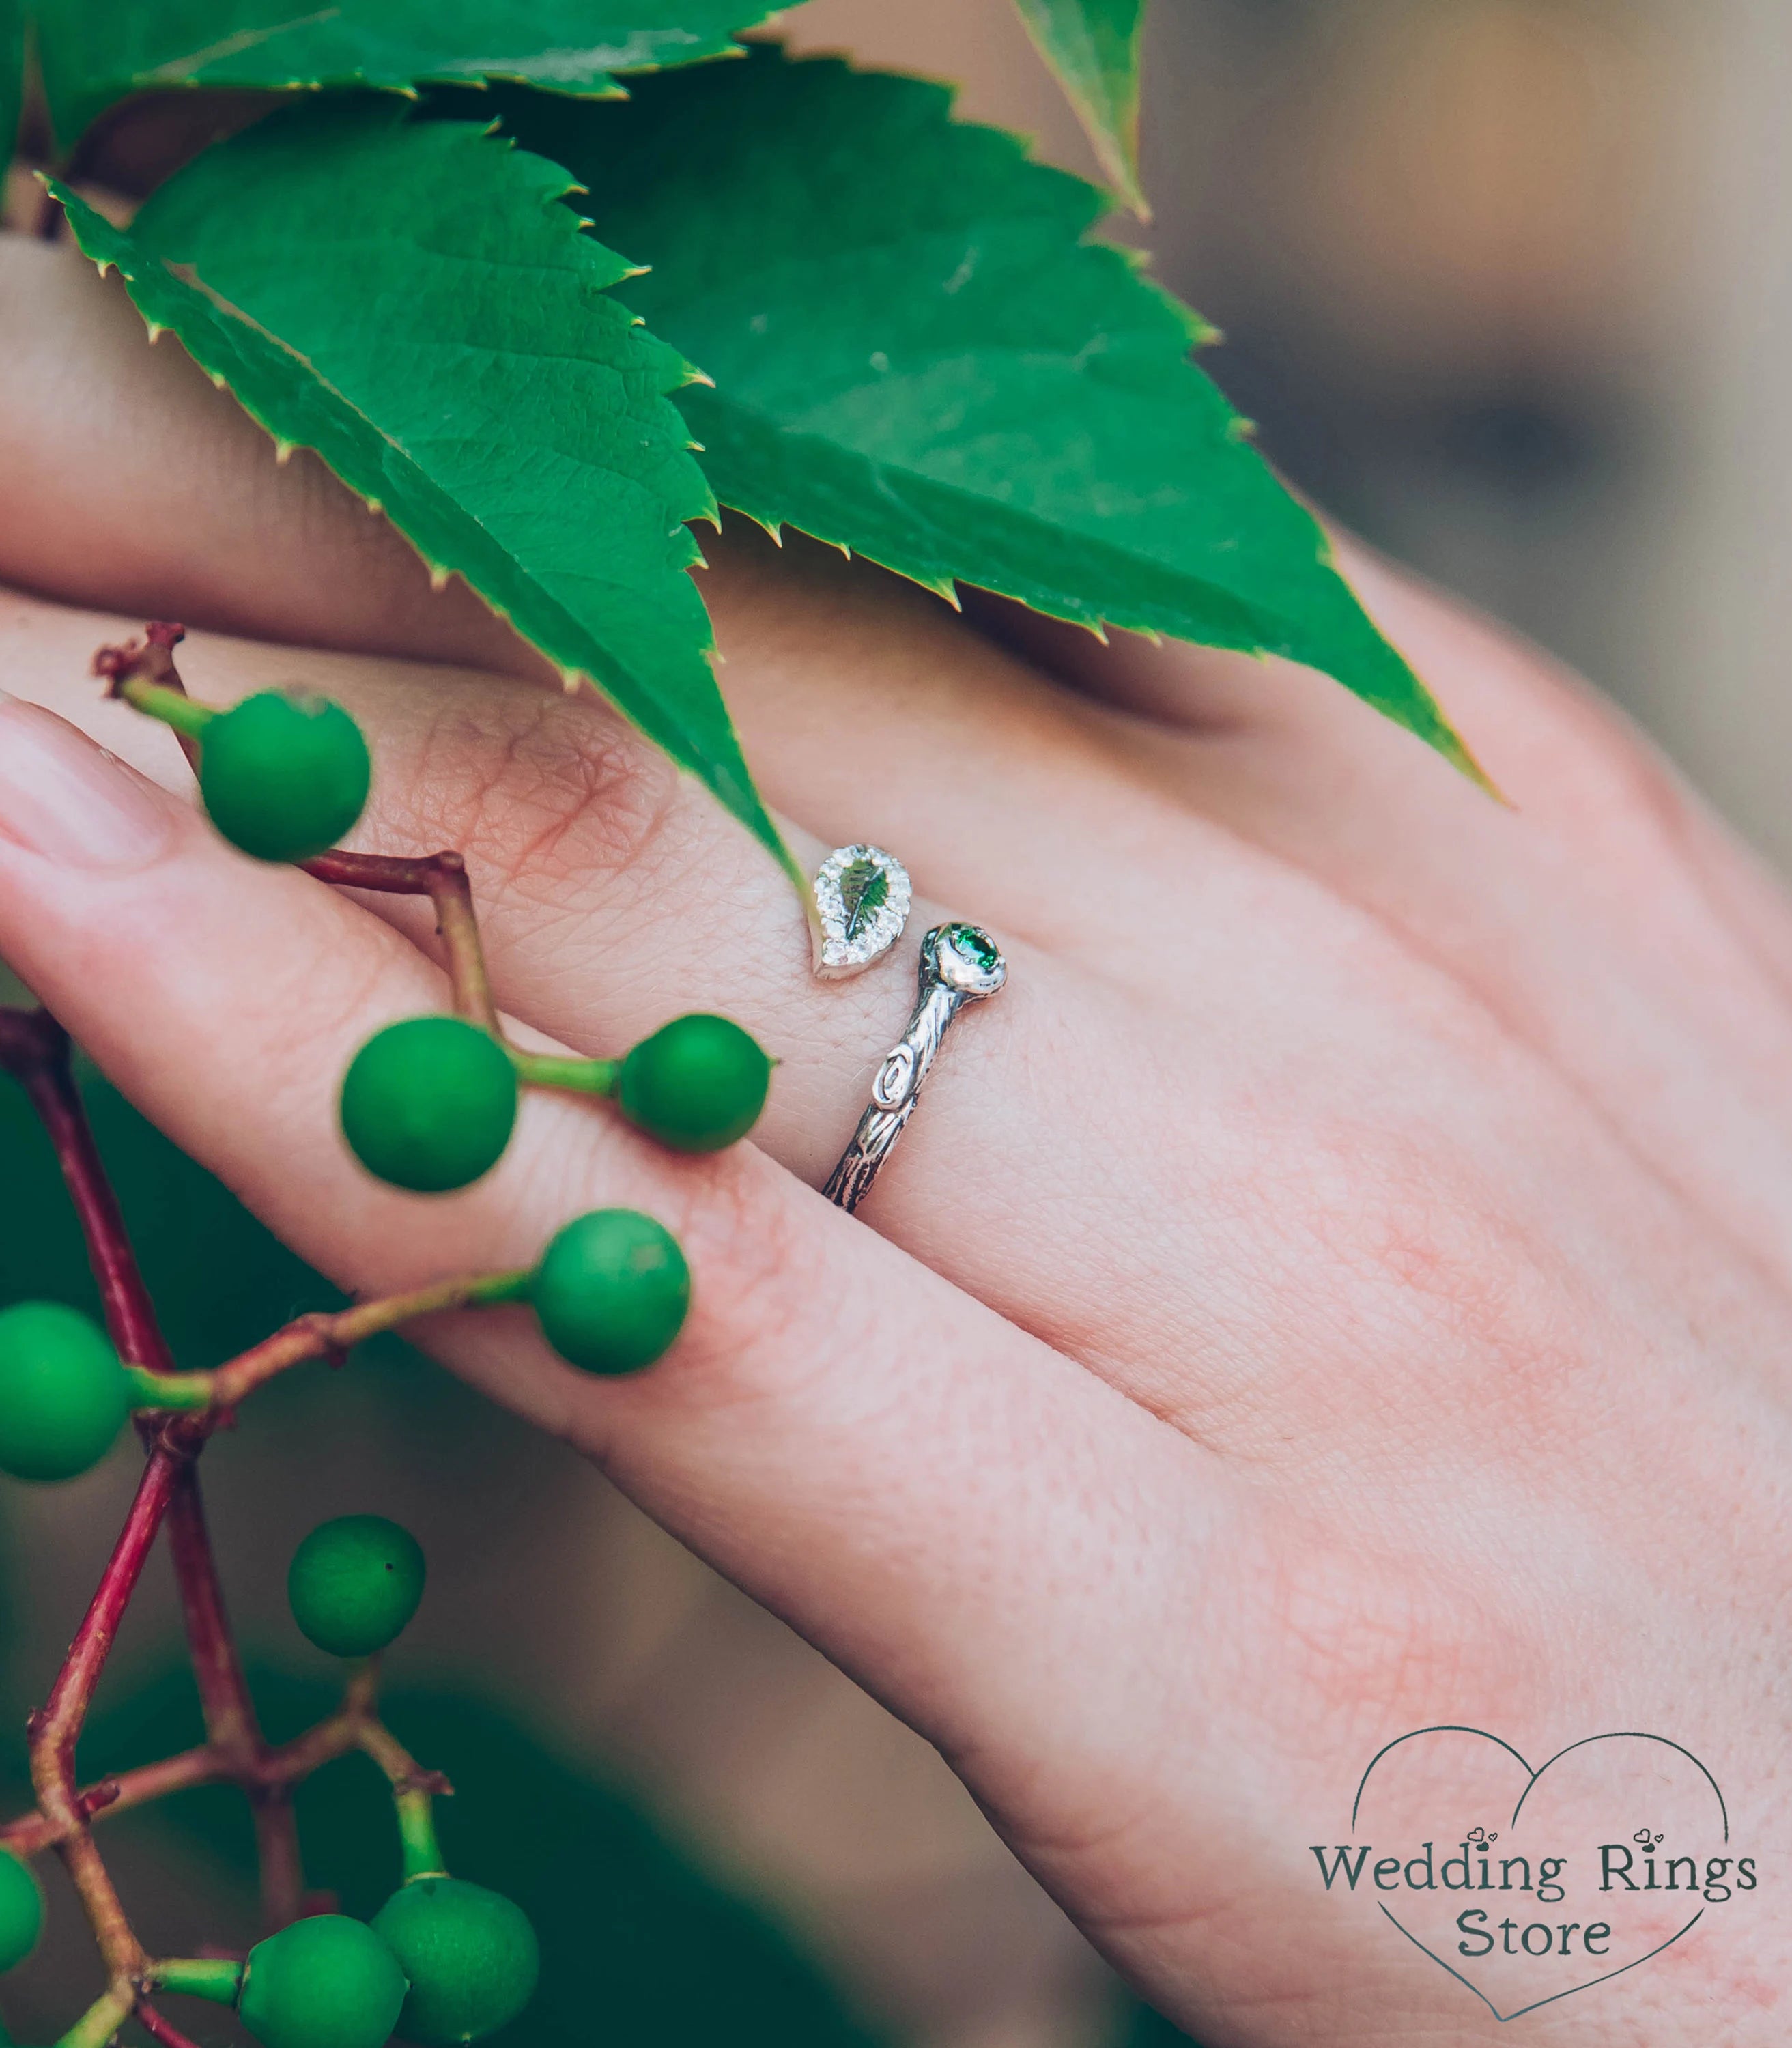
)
(1507, 286)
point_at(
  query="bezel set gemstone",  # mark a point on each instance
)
(966, 958)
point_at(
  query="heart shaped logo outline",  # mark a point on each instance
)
(1533, 1776)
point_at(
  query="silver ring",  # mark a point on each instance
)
(959, 965)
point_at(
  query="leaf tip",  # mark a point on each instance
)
(439, 575)
(283, 452)
(1455, 749)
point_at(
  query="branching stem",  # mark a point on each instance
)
(441, 877)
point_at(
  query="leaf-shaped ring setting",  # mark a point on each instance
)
(862, 896)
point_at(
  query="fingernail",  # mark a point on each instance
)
(70, 802)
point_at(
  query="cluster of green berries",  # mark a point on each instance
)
(444, 1961)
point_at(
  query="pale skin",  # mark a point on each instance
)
(1253, 1350)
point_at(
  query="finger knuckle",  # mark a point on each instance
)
(546, 790)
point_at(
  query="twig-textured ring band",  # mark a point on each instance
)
(958, 964)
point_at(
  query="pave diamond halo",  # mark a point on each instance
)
(862, 896)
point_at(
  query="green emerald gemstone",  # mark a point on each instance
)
(977, 946)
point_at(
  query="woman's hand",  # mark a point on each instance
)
(1342, 1285)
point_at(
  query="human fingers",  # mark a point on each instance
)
(1049, 1584)
(614, 895)
(1073, 1166)
(914, 1484)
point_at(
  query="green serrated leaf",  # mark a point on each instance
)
(98, 52)
(1093, 46)
(919, 357)
(408, 299)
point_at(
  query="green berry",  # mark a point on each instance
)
(63, 1395)
(430, 1104)
(611, 1291)
(471, 1955)
(329, 1982)
(697, 1084)
(284, 777)
(21, 1911)
(354, 1584)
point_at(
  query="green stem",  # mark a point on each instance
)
(416, 1835)
(186, 1392)
(320, 1335)
(583, 1077)
(174, 708)
(100, 2022)
(198, 1977)
(498, 1288)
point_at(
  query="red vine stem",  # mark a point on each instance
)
(322, 1335)
(233, 1733)
(34, 1048)
(32, 1833)
(54, 1728)
(138, 668)
(441, 877)
(162, 2031)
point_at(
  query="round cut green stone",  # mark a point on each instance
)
(977, 946)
